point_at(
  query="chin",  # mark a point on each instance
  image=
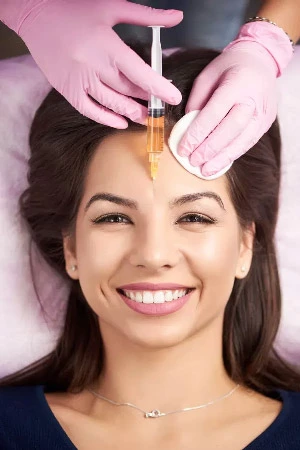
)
(159, 337)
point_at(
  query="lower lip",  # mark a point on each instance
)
(156, 309)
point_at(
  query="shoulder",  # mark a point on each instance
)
(291, 402)
(286, 428)
(21, 410)
(16, 402)
(289, 396)
(19, 394)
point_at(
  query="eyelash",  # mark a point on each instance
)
(108, 218)
(200, 219)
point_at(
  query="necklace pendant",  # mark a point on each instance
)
(154, 414)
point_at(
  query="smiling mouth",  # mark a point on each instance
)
(163, 296)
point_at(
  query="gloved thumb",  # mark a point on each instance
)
(145, 15)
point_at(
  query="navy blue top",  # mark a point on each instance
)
(27, 423)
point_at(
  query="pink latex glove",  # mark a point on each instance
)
(75, 46)
(237, 96)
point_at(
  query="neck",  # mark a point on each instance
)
(184, 375)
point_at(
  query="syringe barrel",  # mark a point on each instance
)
(155, 132)
(156, 109)
(156, 112)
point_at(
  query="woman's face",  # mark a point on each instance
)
(144, 240)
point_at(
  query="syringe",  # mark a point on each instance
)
(156, 109)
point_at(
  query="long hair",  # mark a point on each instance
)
(62, 144)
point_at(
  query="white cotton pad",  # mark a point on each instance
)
(175, 137)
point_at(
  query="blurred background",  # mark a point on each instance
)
(207, 23)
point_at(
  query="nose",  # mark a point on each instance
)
(155, 248)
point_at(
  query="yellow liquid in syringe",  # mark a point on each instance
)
(155, 142)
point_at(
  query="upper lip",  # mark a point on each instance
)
(152, 287)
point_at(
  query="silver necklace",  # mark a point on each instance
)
(156, 413)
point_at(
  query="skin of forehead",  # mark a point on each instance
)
(122, 159)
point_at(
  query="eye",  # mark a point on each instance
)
(196, 218)
(112, 218)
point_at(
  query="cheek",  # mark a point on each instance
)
(213, 259)
(213, 256)
(99, 256)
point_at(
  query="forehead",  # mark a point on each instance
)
(120, 165)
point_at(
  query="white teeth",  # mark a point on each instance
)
(155, 296)
(148, 297)
(159, 297)
(138, 297)
(168, 296)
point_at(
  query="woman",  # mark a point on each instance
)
(175, 298)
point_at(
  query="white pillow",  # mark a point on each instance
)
(288, 227)
(26, 332)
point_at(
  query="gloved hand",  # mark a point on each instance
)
(237, 96)
(75, 46)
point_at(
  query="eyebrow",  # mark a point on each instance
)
(106, 196)
(179, 201)
(197, 196)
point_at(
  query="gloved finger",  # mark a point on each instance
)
(117, 102)
(229, 129)
(207, 120)
(203, 88)
(100, 114)
(117, 81)
(136, 14)
(237, 148)
(141, 74)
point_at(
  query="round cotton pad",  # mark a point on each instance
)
(175, 137)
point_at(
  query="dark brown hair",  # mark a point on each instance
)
(62, 144)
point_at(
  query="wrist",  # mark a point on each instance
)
(285, 13)
(14, 12)
(264, 19)
(270, 37)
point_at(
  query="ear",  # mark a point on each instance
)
(246, 252)
(70, 256)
